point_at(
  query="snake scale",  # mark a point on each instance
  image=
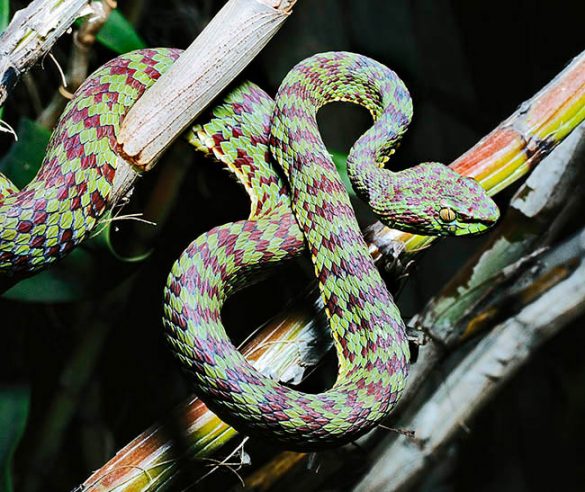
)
(307, 209)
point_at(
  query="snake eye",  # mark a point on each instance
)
(447, 214)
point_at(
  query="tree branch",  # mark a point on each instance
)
(229, 42)
(153, 460)
(83, 40)
(32, 33)
(462, 308)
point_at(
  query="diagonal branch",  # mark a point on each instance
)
(228, 43)
(154, 452)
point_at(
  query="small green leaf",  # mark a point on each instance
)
(119, 35)
(4, 14)
(24, 158)
(340, 161)
(14, 406)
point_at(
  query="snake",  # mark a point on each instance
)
(306, 208)
(299, 205)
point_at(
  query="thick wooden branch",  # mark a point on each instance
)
(149, 452)
(475, 299)
(228, 43)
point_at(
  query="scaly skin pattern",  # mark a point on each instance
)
(316, 214)
(58, 209)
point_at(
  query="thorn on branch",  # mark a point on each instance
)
(408, 433)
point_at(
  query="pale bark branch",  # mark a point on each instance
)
(228, 43)
(224, 48)
(32, 33)
(78, 68)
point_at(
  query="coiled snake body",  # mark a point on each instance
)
(57, 210)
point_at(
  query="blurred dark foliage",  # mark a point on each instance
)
(468, 65)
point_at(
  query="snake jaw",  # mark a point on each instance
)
(471, 229)
(485, 216)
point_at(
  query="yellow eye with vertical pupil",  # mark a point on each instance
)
(447, 214)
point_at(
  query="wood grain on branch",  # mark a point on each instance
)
(231, 40)
(463, 307)
(154, 459)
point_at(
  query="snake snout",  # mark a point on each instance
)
(481, 222)
(490, 213)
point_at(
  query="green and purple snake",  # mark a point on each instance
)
(308, 210)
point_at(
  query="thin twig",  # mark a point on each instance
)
(83, 40)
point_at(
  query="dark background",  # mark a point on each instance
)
(468, 65)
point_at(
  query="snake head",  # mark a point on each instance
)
(434, 200)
